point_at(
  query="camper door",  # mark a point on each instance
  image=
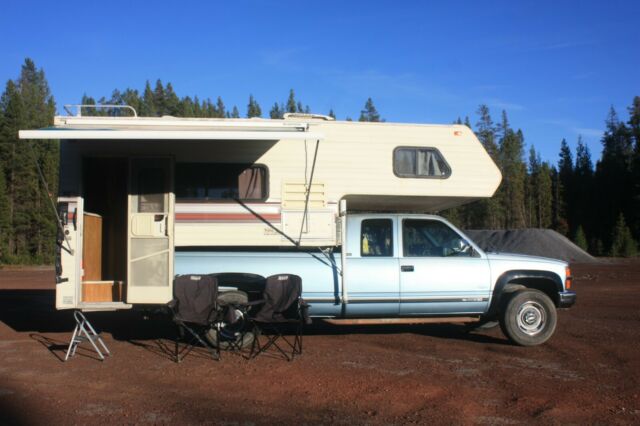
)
(69, 252)
(150, 231)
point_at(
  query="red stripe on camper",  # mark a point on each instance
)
(226, 217)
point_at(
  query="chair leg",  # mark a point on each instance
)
(180, 354)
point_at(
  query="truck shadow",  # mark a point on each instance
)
(33, 312)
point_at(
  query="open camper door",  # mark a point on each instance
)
(150, 231)
(69, 252)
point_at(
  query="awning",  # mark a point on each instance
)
(112, 134)
(170, 128)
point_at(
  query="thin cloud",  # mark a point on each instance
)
(583, 76)
(584, 131)
(558, 46)
(505, 105)
(281, 57)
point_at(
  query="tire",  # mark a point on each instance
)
(528, 317)
(238, 328)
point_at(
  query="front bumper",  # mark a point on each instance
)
(567, 299)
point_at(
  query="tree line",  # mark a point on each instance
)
(597, 206)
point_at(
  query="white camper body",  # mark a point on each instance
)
(134, 190)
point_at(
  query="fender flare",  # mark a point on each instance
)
(507, 277)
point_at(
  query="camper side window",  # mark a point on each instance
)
(376, 238)
(220, 182)
(414, 162)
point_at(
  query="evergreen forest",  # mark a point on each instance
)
(594, 202)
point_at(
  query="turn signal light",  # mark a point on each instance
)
(568, 279)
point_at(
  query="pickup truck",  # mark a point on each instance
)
(410, 266)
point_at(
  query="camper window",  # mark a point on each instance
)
(415, 162)
(376, 237)
(220, 182)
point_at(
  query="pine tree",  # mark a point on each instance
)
(634, 128)
(332, 114)
(5, 224)
(512, 192)
(486, 213)
(276, 111)
(27, 104)
(487, 132)
(220, 108)
(583, 187)
(234, 112)
(291, 103)
(613, 177)
(171, 101)
(186, 107)
(369, 113)
(159, 99)
(623, 244)
(148, 107)
(565, 176)
(580, 239)
(253, 109)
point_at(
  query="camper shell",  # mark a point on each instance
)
(137, 195)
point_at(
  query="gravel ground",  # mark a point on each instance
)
(589, 372)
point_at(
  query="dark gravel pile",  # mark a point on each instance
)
(537, 242)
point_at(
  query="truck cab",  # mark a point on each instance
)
(421, 265)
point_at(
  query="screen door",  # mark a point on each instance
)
(150, 257)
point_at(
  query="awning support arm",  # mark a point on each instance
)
(306, 202)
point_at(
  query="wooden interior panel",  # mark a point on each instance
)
(102, 291)
(92, 247)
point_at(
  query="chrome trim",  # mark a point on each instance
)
(400, 300)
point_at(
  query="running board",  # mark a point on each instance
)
(378, 321)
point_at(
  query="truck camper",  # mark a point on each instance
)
(342, 204)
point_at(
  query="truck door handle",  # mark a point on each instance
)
(406, 268)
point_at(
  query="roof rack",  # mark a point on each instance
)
(78, 112)
(306, 115)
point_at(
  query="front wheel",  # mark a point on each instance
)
(528, 318)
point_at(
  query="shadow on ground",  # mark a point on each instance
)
(33, 311)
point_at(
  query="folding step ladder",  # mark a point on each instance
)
(84, 331)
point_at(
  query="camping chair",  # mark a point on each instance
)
(282, 307)
(194, 308)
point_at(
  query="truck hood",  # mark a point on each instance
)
(512, 257)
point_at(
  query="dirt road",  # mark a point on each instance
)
(589, 372)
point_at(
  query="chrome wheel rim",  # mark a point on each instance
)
(531, 318)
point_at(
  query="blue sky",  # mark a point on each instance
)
(555, 66)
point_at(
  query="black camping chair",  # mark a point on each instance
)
(194, 308)
(282, 308)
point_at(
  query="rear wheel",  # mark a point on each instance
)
(528, 318)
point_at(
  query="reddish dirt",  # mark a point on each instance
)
(589, 372)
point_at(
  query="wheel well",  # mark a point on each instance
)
(546, 281)
(542, 284)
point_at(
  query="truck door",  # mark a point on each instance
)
(372, 275)
(440, 273)
(150, 231)
(69, 253)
